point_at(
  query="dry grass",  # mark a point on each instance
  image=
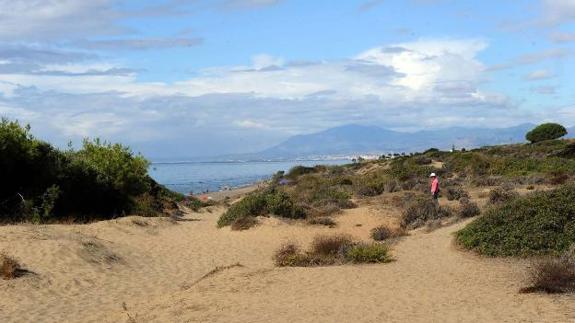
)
(95, 252)
(331, 250)
(11, 268)
(330, 245)
(322, 220)
(552, 275)
(244, 223)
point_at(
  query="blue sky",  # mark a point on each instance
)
(177, 78)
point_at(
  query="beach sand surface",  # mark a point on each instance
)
(138, 269)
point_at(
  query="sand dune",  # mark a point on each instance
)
(156, 270)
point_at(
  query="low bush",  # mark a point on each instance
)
(331, 250)
(558, 178)
(467, 209)
(290, 255)
(362, 253)
(501, 194)
(243, 223)
(535, 224)
(330, 245)
(266, 202)
(421, 211)
(455, 193)
(383, 232)
(552, 275)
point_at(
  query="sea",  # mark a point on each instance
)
(200, 177)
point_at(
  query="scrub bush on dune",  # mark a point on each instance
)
(331, 250)
(536, 224)
(101, 180)
(266, 202)
(552, 275)
(421, 211)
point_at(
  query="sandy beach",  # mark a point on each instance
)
(138, 269)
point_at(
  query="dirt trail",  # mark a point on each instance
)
(187, 272)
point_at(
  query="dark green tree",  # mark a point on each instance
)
(546, 131)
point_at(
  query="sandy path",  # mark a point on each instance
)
(158, 277)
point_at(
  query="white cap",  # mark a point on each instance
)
(432, 175)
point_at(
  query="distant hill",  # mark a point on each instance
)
(358, 139)
(353, 139)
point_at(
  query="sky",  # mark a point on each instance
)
(189, 78)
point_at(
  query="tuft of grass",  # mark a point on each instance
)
(243, 223)
(322, 220)
(11, 268)
(552, 275)
(364, 253)
(536, 224)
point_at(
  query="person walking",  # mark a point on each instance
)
(434, 186)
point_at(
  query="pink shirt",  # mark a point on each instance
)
(434, 185)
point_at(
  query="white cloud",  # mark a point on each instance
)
(558, 11)
(539, 75)
(250, 124)
(563, 37)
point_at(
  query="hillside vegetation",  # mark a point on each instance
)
(323, 190)
(41, 183)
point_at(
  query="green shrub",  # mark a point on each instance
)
(250, 206)
(42, 183)
(368, 253)
(267, 202)
(538, 223)
(546, 131)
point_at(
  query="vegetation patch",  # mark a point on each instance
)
(261, 203)
(244, 223)
(467, 209)
(331, 250)
(322, 220)
(535, 224)
(552, 275)
(501, 195)
(11, 268)
(422, 210)
(383, 232)
(100, 180)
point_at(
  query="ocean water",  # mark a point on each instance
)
(198, 177)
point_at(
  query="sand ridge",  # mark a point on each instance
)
(156, 270)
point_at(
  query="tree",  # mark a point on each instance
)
(546, 131)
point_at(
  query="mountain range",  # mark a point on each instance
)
(358, 139)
